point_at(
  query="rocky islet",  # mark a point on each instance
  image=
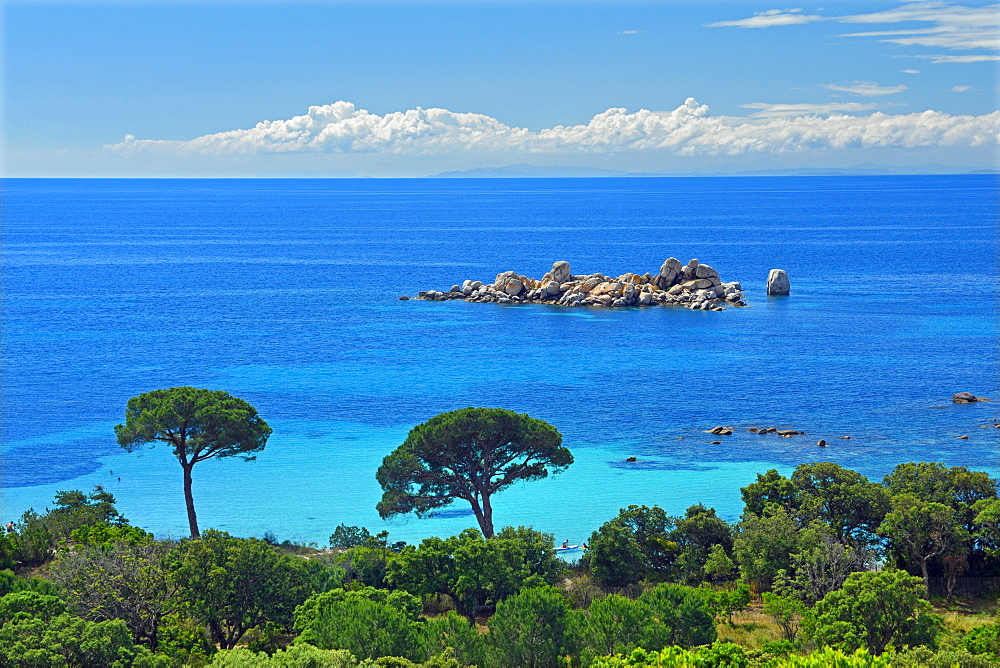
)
(694, 286)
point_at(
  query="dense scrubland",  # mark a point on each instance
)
(824, 568)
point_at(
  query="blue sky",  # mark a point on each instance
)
(184, 88)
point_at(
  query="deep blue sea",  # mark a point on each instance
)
(285, 293)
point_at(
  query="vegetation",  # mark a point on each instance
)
(198, 425)
(468, 454)
(793, 583)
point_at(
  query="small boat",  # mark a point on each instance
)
(567, 548)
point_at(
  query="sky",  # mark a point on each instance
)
(379, 88)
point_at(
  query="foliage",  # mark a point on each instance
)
(925, 657)
(183, 640)
(987, 523)
(873, 611)
(719, 566)
(476, 573)
(367, 560)
(956, 487)
(367, 626)
(633, 546)
(698, 535)
(723, 603)
(346, 537)
(844, 499)
(468, 454)
(787, 613)
(764, 545)
(66, 640)
(36, 536)
(529, 628)
(611, 625)
(821, 568)
(919, 530)
(120, 580)
(32, 541)
(300, 655)
(74, 509)
(682, 616)
(105, 535)
(310, 610)
(198, 424)
(771, 489)
(12, 583)
(451, 634)
(233, 585)
(733, 656)
(984, 639)
(28, 605)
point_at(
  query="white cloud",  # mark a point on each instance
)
(866, 88)
(767, 110)
(631, 32)
(955, 27)
(960, 89)
(769, 19)
(341, 128)
(961, 59)
(910, 71)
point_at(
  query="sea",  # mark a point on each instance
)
(286, 293)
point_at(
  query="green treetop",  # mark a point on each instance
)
(198, 425)
(468, 454)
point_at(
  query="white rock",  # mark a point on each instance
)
(777, 282)
(704, 271)
(560, 271)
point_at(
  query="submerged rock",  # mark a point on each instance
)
(966, 398)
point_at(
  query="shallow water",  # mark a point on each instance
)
(284, 292)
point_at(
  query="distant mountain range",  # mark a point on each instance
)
(565, 171)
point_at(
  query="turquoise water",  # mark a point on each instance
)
(285, 293)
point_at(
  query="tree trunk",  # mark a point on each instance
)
(927, 579)
(487, 521)
(189, 501)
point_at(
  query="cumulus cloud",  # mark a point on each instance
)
(866, 88)
(689, 129)
(769, 19)
(960, 89)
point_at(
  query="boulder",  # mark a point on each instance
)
(964, 398)
(777, 282)
(668, 272)
(704, 271)
(560, 271)
(552, 288)
(696, 284)
(513, 287)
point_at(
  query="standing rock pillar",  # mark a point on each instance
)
(777, 282)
